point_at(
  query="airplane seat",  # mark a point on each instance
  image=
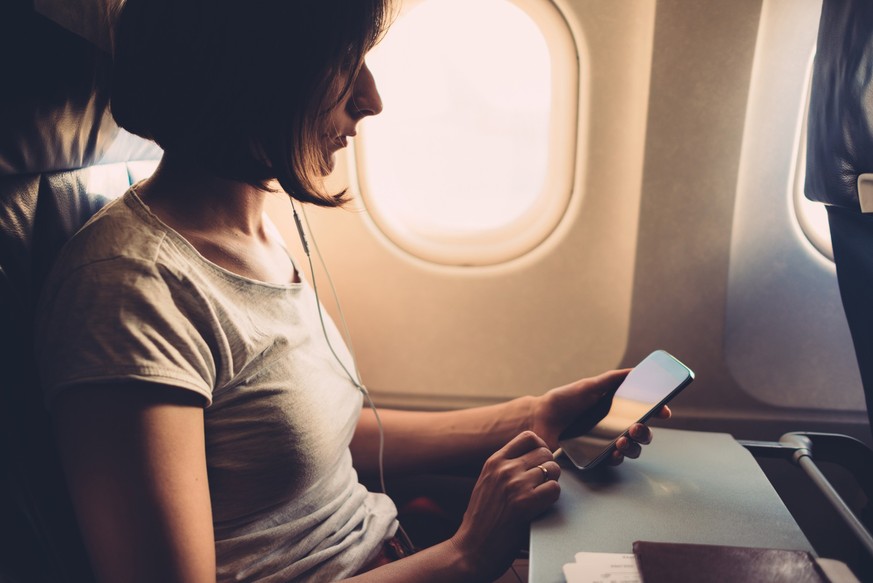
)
(61, 159)
(839, 173)
(839, 166)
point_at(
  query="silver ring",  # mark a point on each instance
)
(545, 473)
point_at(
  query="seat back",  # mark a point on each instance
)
(840, 120)
(61, 159)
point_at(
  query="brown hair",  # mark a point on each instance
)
(240, 87)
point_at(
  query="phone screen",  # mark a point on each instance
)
(650, 385)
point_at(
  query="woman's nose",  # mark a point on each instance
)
(365, 97)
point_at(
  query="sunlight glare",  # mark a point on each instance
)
(462, 144)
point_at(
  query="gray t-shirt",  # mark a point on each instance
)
(131, 299)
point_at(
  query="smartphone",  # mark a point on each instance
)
(648, 387)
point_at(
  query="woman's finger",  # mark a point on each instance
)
(544, 472)
(664, 413)
(521, 444)
(640, 433)
(628, 447)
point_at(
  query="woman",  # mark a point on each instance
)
(207, 422)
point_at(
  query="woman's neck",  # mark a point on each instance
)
(222, 219)
(190, 199)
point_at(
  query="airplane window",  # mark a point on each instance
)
(811, 216)
(471, 161)
(783, 309)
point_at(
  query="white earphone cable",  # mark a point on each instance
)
(356, 378)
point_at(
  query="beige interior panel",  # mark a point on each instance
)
(433, 336)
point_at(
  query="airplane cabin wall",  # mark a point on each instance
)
(682, 106)
(723, 277)
(433, 336)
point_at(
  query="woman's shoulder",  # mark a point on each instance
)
(119, 232)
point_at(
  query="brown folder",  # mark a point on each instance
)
(679, 563)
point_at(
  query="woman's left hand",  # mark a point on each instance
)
(556, 410)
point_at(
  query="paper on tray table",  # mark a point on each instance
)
(602, 568)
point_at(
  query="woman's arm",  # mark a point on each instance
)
(511, 490)
(134, 458)
(418, 441)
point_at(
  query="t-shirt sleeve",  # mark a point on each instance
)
(124, 319)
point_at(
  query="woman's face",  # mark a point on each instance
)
(361, 101)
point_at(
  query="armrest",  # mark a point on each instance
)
(805, 448)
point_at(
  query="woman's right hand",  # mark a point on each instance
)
(511, 490)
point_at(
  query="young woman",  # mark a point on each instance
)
(208, 424)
